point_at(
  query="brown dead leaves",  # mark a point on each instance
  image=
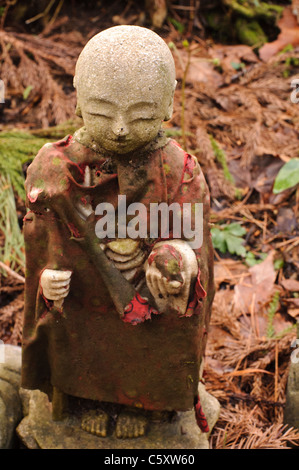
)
(246, 368)
(44, 65)
(244, 104)
(11, 310)
(256, 288)
(289, 34)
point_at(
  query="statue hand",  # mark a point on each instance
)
(161, 286)
(170, 270)
(165, 271)
(55, 283)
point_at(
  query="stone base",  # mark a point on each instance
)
(291, 412)
(38, 430)
(10, 403)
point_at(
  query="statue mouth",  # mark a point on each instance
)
(120, 141)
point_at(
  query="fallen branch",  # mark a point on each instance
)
(11, 272)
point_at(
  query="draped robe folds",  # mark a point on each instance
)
(85, 349)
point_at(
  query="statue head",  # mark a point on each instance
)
(125, 82)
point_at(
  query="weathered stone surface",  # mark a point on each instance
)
(90, 331)
(10, 403)
(37, 430)
(291, 414)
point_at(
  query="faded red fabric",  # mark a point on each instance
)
(200, 416)
(138, 311)
(87, 349)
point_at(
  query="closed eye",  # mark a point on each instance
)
(144, 119)
(100, 115)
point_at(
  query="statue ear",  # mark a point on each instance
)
(78, 111)
(169, 110)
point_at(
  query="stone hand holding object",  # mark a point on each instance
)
(170, 270)
(55, 285)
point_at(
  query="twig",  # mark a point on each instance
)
(42, 14)
(276, 372)
(294, 241)
(8, 4)
(56, 12)
(11, 272)
(249, 371)
(265, 226)
(252, 398)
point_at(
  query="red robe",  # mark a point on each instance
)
(86, 349)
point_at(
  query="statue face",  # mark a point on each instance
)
(123, 111)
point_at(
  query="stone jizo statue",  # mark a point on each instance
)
(115, 327)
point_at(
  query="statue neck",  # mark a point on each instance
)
(82, 136)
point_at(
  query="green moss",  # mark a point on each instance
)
(255, 9)
(60, 131)
(274, 304)
(166, 168)
(173, 267)
(221, 158)
(250, 33)
(16, 148)
(56, 161)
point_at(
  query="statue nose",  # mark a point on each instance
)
(120, 128)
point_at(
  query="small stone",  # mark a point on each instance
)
(10, 403)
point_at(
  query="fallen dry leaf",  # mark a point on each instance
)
(289, 35)
(293, 312)
(231, 55)
(291, 285)
(257, 288)
(230, 271)
(200, 69)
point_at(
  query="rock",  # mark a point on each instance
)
(291, 412)
(10, 402)
(37, 430)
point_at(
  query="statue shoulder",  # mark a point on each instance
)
(179, 164)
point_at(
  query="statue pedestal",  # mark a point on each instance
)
(38, 430)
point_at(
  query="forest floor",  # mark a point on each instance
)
(234, 112)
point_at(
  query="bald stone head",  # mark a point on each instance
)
(125, 82)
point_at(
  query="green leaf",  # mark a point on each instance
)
(278, 264)
(235, 229)
(27, 91)
(287, 177)
(218, 239)
(179, 26)
(228, 238)
(216, 61)
(287, 48)
(251, 260)
(237, 65)
(235, 245)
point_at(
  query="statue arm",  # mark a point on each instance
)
(173, 268)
